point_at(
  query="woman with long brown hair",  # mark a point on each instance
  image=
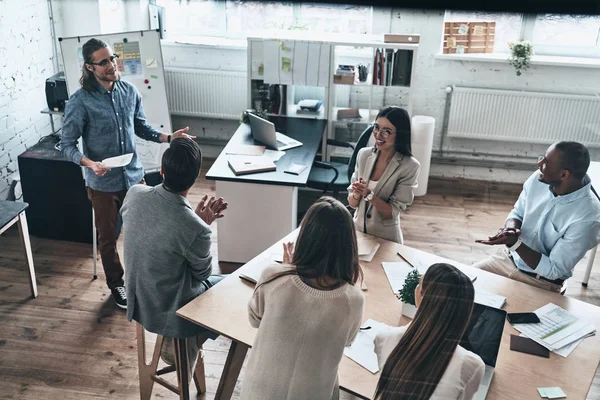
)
(306, 310)
(423, 359)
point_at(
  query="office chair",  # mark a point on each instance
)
(334, 176)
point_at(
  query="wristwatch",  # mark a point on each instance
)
(369, 197)
(515, 246)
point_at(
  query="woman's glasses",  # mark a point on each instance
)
(106, 61)
(384, 133)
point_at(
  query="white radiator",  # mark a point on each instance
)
(518, 116)
(206, 93)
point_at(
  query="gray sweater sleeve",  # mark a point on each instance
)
(199, 257)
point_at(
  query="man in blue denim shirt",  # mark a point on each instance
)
(555, 221)
(107, 112)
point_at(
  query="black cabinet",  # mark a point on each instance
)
(55, 190)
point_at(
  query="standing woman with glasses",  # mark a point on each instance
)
(107, 113)
(384, 177)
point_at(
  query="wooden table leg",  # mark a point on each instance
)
(181, 360)
(24, 233)
(231, 371)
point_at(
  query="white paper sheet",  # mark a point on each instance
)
(362, 351)
(557, 328)
(324, 73)
(299, 64)
(313, 64)
(396, 273)
(271, 61)
(273, 155)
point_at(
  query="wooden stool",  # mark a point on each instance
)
(149, 374)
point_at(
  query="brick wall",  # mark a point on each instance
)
(26, 60)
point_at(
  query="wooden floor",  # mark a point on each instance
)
(73, 343)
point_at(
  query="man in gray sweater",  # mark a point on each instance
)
(167, 246)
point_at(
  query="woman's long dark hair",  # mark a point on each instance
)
(401, 120)
(415, 367)
(326, 246)
(88, 80)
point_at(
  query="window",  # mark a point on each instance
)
(550, 34)
(569, 35)
(240, 19)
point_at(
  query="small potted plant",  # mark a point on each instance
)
(244, 119)
(520, 55)
(407, 293)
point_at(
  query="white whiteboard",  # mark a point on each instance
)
(146, 65)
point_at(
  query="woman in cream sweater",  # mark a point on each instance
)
(385, 177)
(423, 360)
(306, 310)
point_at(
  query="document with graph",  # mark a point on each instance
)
(557, 328)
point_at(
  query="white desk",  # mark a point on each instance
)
(263, 206)
(594, 174)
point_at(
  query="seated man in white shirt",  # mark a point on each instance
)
(555, 221)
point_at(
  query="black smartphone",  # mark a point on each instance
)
(523, 318)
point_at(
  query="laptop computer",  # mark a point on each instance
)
(483, 337)
(263, 131)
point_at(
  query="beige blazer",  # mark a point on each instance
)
(395, 187)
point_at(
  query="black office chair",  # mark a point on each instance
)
(333, 176)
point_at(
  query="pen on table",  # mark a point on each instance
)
(405, 259)
(365, 328)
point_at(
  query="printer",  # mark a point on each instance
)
(56, 92)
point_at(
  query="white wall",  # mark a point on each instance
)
(26, 60)
(462, 158)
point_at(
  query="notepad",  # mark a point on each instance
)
(241, 165)
(489, 299)
(367, 248)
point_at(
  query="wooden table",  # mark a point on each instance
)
(223, 309)
(12, 212)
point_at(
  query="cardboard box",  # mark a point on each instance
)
(344, 79)
(393, 38)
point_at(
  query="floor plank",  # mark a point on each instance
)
(72, 342)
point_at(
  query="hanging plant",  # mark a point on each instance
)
(520, 55)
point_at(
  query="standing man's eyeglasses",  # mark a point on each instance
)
(106, 61)
(543, 159)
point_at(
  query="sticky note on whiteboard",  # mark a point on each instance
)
(463, 29)
(478, 30)
(451, 42)
(460, 49)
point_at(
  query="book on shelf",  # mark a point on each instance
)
(392, 67)
(349, 113)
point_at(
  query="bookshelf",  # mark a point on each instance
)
(283, 70)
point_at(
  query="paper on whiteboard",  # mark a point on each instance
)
(299, 64)
(129, 63)
(271, 61)
(148, 153)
